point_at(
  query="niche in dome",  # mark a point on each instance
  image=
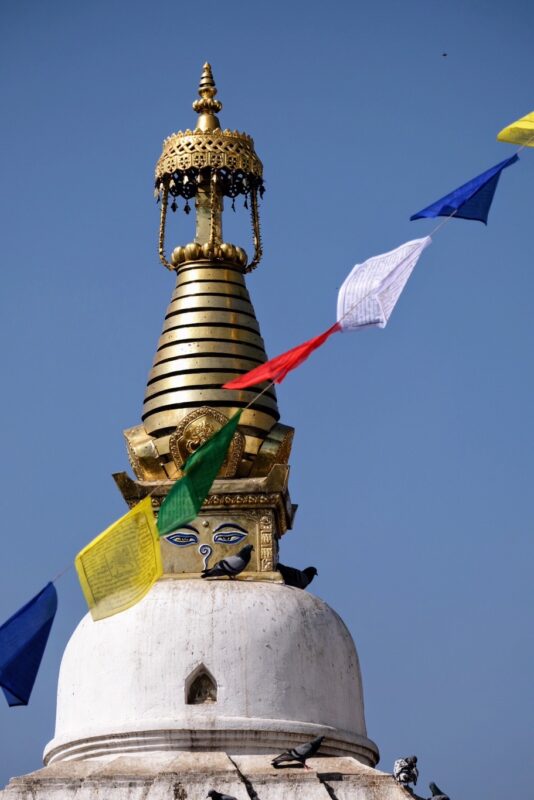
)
(200, 687)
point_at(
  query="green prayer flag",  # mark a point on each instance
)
(185, 499)
(179, 507)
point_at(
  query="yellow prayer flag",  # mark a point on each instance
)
(118, 567)
(519, 132)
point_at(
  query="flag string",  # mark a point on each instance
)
(436, 229)
(61, 573)
(432, 233)
(526, 144)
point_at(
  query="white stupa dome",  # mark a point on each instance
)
(235, 666)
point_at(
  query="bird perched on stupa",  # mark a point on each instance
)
(231, 566)
(301, 578)
(405, 770)
(301, 753)
(215, 795)
(437, 794)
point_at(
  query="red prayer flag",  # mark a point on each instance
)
(277, 368)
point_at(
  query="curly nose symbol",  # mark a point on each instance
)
(206, 551)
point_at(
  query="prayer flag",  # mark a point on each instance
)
(118, 568)
(185, 498)
(472, 200)
(519, 132)
(23, 640)
(370, 292)
(277, 368)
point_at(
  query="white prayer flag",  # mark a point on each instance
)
(369, 294)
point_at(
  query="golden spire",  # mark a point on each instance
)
(207, 106)
(211, 335)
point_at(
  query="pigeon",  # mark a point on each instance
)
(297, 577)
(300, 753)
(230, 566)
(405, 770)
(215, 795)
(437, 794)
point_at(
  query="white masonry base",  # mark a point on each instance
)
(190, 776)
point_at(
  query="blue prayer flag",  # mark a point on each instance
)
(23, 640)
(472, 200)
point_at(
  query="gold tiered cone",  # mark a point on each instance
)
(211, 335)
(207, 107)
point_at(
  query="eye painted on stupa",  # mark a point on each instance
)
(229, 533)
(184, 536)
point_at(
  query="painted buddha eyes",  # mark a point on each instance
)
(229, 533)
(184, 536)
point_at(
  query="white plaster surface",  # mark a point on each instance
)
(285, 665)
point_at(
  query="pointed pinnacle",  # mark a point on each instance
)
(207, 84)
(206, 105)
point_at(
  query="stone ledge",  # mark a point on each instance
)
(189, 776)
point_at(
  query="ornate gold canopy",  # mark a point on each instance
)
(208, 164)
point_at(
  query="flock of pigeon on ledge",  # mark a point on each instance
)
(405, 770)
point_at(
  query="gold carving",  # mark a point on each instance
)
(194, 251)
(197, 428)
(143, 455)
(284, 515)
(200, 149)
(246, 496)
(276, 449)
(266, 543)
(241, 499)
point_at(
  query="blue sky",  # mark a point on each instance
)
(412, 461)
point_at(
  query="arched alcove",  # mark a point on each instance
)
(200, 687)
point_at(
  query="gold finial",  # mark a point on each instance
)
(209, 164)
(207, 106)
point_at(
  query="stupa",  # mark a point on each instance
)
(202, 682)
